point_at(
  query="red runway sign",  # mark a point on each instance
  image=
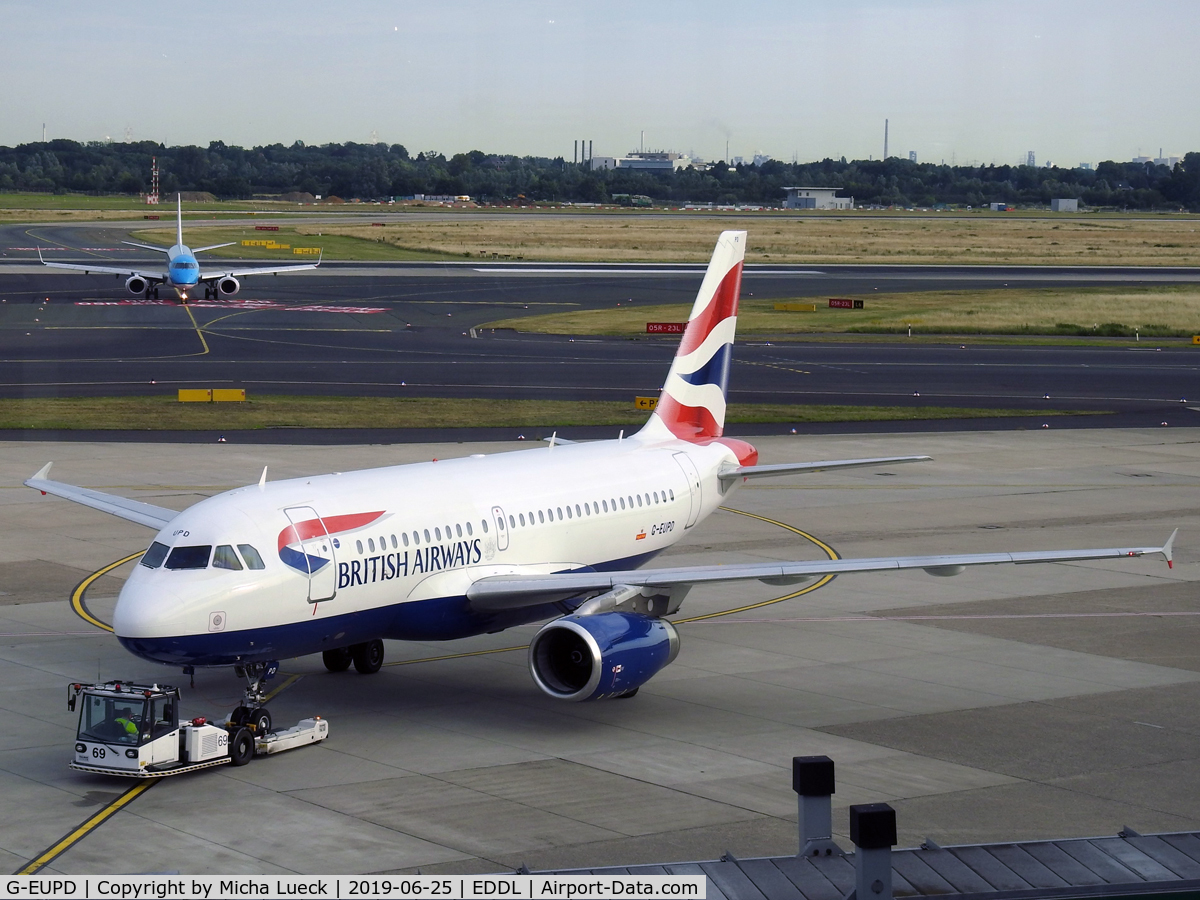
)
(665, 327)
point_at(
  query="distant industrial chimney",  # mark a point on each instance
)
(885, 138)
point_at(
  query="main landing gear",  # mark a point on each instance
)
(367, 657)
(252, 713)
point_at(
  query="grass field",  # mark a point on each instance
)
(1082, 311)
(334, 246)
(164, 413)
(974, 237)
(967, 239)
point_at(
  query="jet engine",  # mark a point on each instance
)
(228, 286)
(136, 285)
(600, 656)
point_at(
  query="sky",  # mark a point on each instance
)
(959, 80)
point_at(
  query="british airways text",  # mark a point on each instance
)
(387, 566)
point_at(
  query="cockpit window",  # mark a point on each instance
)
(184, 265)
(153, 557)
(225, 558)
(250, 555)
(189, 557)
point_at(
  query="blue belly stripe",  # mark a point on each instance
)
(437, 619)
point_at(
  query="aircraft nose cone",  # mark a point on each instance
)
(143, 610)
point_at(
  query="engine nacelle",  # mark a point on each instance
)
(606, 655)
(136, 285)
(228, 286)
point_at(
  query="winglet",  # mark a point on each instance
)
(262, 479)
(41, 475)
(1167, 549)
(42, 261)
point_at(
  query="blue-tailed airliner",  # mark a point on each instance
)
(334, 564)
(183, 273)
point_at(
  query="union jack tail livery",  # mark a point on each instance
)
(692, 404)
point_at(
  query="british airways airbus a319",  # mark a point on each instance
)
(335, 564)
(183, 273)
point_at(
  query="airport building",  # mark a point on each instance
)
(1064, 205)
(816, 198)
(664, 161)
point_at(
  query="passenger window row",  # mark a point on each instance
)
(452, 532)
(595, 507)
(198, 556)
(559, 513)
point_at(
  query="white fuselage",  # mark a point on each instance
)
(391, 552)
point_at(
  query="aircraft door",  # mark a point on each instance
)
(692, 474)
(163, 729)
(312, 552)
(501, 528)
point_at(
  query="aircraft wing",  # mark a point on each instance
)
(735, 472)
(266, 270)
(135, 511)
(513, 591)
(105, 270)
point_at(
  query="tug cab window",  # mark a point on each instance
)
(153, 558)
(190, 557)
(112, 720)
(164, 717)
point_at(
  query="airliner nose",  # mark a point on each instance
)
(144, 610)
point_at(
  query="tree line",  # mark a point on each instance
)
(379, 171)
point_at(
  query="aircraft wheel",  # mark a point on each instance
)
(368, 657)
(241, 747)
(240, 716)
(337, 660)
(260, 721)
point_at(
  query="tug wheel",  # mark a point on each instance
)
(368, 657)
(337, 660)
(241, 747)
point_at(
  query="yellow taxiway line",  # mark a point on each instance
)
(77, 834)
(78, 602)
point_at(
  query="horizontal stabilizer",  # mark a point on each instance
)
(734, 473)
(166, 250)
(134, 510)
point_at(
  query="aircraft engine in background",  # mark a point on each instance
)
(599, 656)
(228, 286)
(136, 285)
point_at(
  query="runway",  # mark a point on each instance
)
(1007, 703)
(414, 329)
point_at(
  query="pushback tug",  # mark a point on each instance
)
(133, 730)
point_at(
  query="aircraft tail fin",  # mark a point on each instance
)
(692, 403)
(179, 219)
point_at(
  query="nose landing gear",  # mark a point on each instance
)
(252, 713)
